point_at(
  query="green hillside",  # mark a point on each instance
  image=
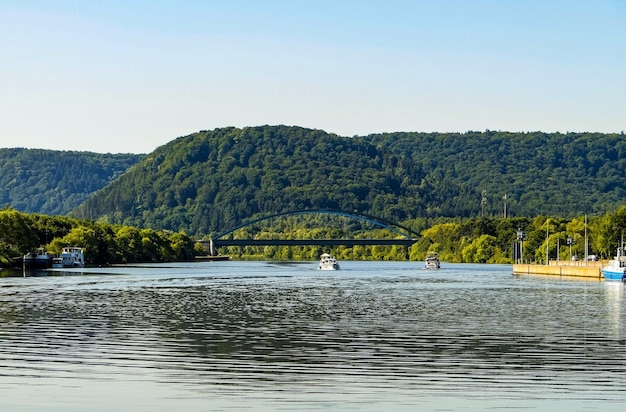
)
(540, 173)
(54, 182)
(213, 180)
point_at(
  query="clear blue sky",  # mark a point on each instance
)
(128, 76)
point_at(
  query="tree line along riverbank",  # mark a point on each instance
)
(467, 240)
(104, 243)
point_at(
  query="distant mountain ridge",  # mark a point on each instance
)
(212, 180)
(54, 182)
(540, 173)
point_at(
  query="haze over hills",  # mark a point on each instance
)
(212, 180)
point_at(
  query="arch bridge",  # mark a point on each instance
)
(406, 236)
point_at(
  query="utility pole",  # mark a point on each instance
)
(483, 202)
(570, 242)
(504, 198)
(547, 242)
(586, 244)
(520, 241)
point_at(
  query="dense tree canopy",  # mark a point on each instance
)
(459, 240)
(54, 182)
(449, 187)
(213, 180)
(21, 233)
(540, 173)
(469, 240)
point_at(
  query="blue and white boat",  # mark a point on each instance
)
(616, 268)
(39, 259)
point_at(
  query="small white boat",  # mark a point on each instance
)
(616, 268)
(39, 259)
(328, 262)
(70, 257)
(432, 261)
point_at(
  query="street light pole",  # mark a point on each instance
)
(570, 241)
(547, 243)
(586, 244)
(520, 240)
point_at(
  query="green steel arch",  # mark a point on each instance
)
(400, 230)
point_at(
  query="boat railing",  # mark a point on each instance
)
(579, 263)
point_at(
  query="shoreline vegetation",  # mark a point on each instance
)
(213, 180)
(564, 192)
(462, 240)
(104, 243)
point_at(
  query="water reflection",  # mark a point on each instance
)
(377, 335)
(23, 272)
(614, 294)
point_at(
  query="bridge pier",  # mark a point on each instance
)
(210, 246)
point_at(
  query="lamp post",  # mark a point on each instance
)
(520, 240)
(570, 242)
(586, 244)
(547, 242)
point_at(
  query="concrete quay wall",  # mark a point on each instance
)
(576, 270)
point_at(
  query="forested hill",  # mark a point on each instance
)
(540, 173)
(212, 180)
(54, 182)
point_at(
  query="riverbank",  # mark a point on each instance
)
(211, 258)
(561, 268)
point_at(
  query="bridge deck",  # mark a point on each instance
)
(308, 242)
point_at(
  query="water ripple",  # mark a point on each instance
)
(366, 335)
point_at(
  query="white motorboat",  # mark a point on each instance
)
(328, 262)
(616, 268)
(70, 257)
(432, 261)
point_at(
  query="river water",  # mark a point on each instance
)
(268, 336)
